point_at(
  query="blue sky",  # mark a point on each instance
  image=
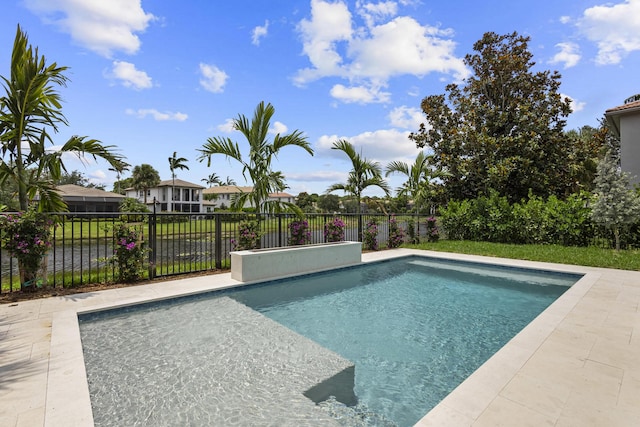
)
(153, 77)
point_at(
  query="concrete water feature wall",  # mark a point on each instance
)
(260, 264)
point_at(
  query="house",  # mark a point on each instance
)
(83, 199)
(222, 196)
(624, 122)
(171, 196)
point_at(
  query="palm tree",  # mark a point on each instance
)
(229, 181)
(31, 105)
(175, 163)
(118, 169)
(365, 173)
(212, 179)
(144, 177)
(418, 176)
(258, 165)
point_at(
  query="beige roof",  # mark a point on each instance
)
(613, 114)
(71, 191)
(280, 195)
(178, 183)
(227, 189)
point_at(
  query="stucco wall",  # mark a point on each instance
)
(630, 145)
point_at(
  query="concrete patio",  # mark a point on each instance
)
(575, 365)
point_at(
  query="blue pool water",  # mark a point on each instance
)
(415, 328)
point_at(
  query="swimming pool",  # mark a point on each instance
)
(403, 324)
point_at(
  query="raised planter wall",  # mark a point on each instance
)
(260, 264)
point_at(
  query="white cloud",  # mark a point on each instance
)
(406, 118)
(101, 26)
(565, 19)
(359, 94)
(382, 145)
(227, 126)
(315, 176)
(278, 127)
(615, 28)
(376, 12)
(575, 105)
(259, 32)
(129, 76)
(157, 115)
(369, 56)
(213, 79)
(569, 55)
(330, 23)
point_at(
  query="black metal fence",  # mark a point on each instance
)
(177, 243)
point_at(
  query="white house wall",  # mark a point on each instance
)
(630, 145)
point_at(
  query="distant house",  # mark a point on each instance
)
(187, 196)
(624, 121)
(83, 199)
(224, 194)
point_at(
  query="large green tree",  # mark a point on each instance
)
(501, 129)
(144, 177)
(257, 166)
(175, 162)
(30, 112)
(364, 173)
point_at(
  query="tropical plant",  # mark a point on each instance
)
(119, 168)
(257, 167)
(249, 236)
(432, 230)
(212, 179)
(299, 233)
(29, 110)
(143, 178)
(175, 163)
(364, 174)
(129, 253)
(419, 175)
(334, 230)
(27, 237)
(370, 235)
(228, 181)
(396, 234)
(616, 206)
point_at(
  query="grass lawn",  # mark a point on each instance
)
(589, 256)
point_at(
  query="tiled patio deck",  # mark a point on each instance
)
(575, 365)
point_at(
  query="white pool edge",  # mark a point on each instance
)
(68, 401)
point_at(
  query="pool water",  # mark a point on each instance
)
(415, 328)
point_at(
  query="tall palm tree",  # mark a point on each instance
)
(30, 106)
(364, 173)
(257, 167)
(119, 168)
(212, 179)
(229, 181)
(419, 174)
(144, 177)
(175, 163)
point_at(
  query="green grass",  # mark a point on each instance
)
(589, 256)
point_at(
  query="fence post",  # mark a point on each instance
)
(152, 242)
(218, 241)
(279, 230)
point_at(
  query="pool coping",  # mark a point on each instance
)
(507, 387)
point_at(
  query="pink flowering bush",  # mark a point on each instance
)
(396, 234)
(432, 230)
(370, 235)
(299, 233)
(129, 253)
(27, 237)
(334, 230)
(248, 236)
